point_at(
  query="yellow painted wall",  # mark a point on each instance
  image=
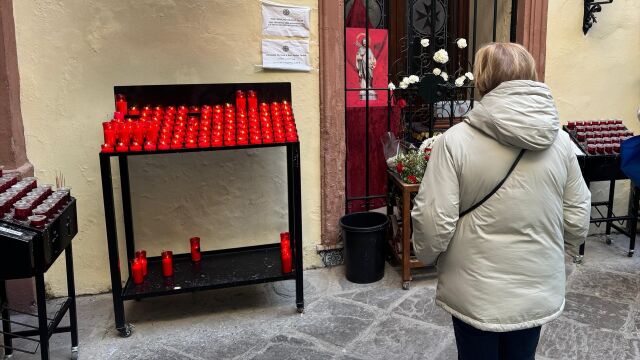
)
(71, 53)
(598, 75)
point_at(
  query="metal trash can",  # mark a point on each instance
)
(364, 235)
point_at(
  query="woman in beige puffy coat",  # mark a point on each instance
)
(500, 267)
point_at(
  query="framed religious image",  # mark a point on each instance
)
(375, 80)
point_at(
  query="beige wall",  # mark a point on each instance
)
(597, 75)
(72, 52)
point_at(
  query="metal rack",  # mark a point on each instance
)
(601, 168)
(223, 268)
(47, 326)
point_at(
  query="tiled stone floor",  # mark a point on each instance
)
(349, 321)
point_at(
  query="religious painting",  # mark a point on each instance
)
(367, 67)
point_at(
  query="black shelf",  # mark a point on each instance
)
(217, 269)
(191, 150)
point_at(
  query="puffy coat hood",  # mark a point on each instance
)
(518, 113)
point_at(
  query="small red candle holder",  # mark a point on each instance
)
(149, 146)
(137, 274)
(121, 147)
(135, 147)
(121, 103)
(286, 261)
(38, 221)
(196, 255)
(167, 263)
(107, 148)
(142, 258)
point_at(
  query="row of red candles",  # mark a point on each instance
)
(571, 125)
(139, 265)
(161, 128)
(25, 201)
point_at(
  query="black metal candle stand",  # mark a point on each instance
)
(29, 252)
(606, 167)
(217, 269)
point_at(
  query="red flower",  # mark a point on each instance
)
(402, 103)
(427, 150)
(412, 179)
(399, 168)
(427, 157)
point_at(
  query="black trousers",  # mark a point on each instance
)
(474, 344)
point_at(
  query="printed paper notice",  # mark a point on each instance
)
(285, 20)
(286, 55)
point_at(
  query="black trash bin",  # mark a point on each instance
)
(364, 236)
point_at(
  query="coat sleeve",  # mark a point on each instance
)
(436, 207)
(576, 208)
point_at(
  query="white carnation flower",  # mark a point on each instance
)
(445, 76)
(441, 56)
(437, 71)
(460, 81)
(391, 86)
(469, 76)
(406, 80)
(413, 79)
(462, 43)
(403, 85)
(424, 42)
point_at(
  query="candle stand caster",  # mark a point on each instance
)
(300, 309)
(74, 353)
(607, 240)
(126, 331)
(406, 285)
(578, 259)
(630, 254)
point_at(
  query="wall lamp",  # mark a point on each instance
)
(590, 8)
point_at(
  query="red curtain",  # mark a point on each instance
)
(357, 157)
(357, 16)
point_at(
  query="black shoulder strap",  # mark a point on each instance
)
(495, 189)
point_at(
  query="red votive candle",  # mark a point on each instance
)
(286, 261)
(196, 256)
(163, 145)
(107, 148)
(591, 149)
(37, 220)
(121, 147)
(608, 148)
(167, 263)
(135, 147)
(616, 148)
(121, 103)
(142, 258)
(149, 146)
(137, 274)
(22, 210)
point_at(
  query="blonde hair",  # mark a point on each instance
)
(499, 62)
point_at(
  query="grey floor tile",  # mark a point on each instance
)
(606, 284)
(335, 322)
(421, 306)
(381, 298)
(595, 311)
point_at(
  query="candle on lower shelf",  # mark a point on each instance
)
(142, 258)
(196, 256)
(136, 272)
(286, 261)
(167, 263)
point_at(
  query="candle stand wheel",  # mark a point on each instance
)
(608, 239)
(578, 259)
(406, 285)
(126, 331)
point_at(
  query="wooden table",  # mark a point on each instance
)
(401, 195)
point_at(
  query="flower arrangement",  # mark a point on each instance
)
(439, 57)
(412, 164)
